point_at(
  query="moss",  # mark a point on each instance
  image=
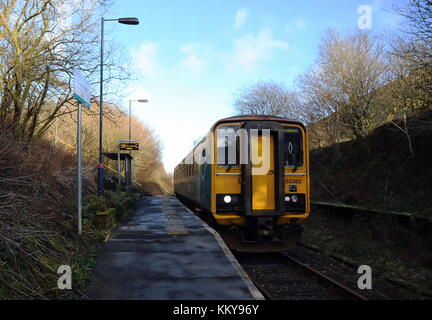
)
(106, 219)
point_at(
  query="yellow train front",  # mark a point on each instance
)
(250, 176)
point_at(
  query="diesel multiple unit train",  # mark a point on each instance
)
(249, 177)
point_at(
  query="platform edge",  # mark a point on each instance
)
(256, 294)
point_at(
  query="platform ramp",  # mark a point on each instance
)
(163, 251)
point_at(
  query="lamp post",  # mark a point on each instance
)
(130, 21)
(130, 113)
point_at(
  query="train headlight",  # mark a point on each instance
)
(227, 199)
(228, 202)
(295, 202)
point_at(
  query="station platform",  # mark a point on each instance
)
(163, 251)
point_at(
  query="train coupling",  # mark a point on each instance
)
(265, 226)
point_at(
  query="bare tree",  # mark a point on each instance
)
(410, 67)
(148, 159)
(414, 48)
(268, 98)
(344, 82)
(41, 42)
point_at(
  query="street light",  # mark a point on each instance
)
(129, 21)
(130, 108)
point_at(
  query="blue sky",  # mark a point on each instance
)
(192, 56)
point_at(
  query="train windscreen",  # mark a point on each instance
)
(293, 157)
(228, 154)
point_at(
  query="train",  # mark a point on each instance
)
(249, 178)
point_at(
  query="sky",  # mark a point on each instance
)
(192, 56)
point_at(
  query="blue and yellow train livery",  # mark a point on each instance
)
(253, 212)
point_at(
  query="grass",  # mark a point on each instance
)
(38, 224)
(378, 171)
(382, 243)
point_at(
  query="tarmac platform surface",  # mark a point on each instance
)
(162, 251)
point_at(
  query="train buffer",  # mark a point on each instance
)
(163, 251)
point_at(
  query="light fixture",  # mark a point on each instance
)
(227, 199)
(133, 21)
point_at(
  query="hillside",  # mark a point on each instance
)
(379, 170)
(38, 225)
(38, 218)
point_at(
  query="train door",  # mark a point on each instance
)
(263, 184)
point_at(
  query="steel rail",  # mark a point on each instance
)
(261, 288)
(337, 285)
(353, 264)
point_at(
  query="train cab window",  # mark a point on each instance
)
(293, 142)
(228, 143)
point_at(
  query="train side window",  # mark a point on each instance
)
(293, 155)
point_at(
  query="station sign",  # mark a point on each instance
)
(129, 146)
(81, 88)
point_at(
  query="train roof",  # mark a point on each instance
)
(243, 117)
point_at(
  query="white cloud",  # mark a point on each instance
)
(383, 13)
(240, 18)
(250, 50)
(195, 57)
(145, 56)
(296, 24)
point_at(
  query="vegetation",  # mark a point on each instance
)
(267, 97)
(379, 171)
(345, 82)
(367, 105)
(38, 225)
(41, 43)
(358, 82)
(147, 166)
(392, 251)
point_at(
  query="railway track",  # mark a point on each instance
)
(396, 284)
(280, 276)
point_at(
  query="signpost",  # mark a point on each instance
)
(81, 92)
